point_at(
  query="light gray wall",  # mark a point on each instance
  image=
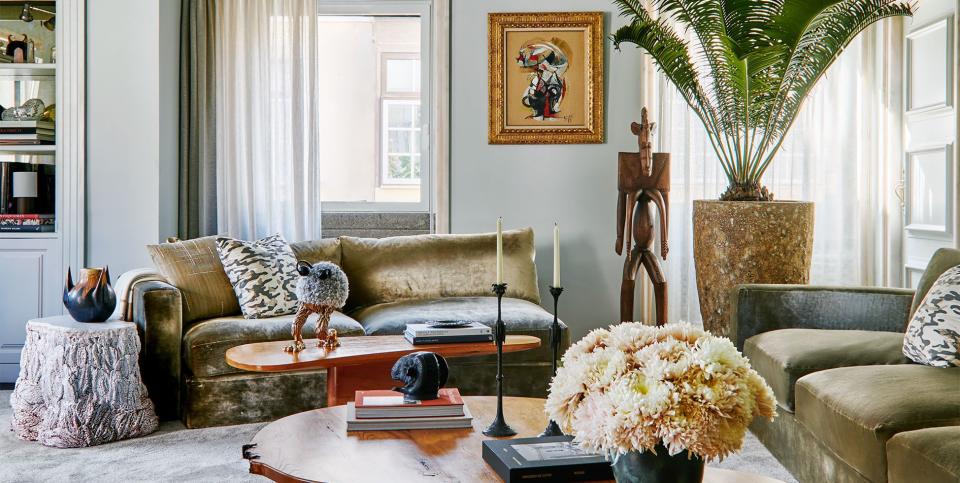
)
(536, 185)
(130, 143)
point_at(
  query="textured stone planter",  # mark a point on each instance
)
(737, 242)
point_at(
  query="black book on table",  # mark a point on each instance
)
(550, 458)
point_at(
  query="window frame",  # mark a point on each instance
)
(391, 8)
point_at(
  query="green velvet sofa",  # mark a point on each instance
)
(393, 281)
(850, 406)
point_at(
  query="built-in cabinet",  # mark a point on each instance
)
(41, 179)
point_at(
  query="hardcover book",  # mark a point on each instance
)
(447, 339)
(396, 424)
(423, 330)
(391, 404)
(550, 458)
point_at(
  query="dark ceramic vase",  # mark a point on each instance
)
(91, 299)
(646, 467)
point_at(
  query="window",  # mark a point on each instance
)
(400, 119)
(373, 93)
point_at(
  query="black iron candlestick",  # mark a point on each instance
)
(553, 429)
(499, 427)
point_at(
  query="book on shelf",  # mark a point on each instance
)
(550, 458)
(398, 424)
(47, 125)
(26, 228)
(446, 339)
(24, 138)
(11, 131)
(423, 330)
(392, 404)
(25, 142)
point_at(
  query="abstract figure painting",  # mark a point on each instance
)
(546, 78)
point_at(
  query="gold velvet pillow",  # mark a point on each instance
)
(194, 267)
(313, 251)
(432, 266)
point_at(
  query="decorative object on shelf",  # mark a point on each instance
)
(30, 110)
(680, 388)
(546, 78)
(25, 190)
(553, 429)
(27, 16)
(322, 289)
(643, 182)
(422, 375)
(18, 49)
(499, 426)
(747, 89)
(49, 113)
(92, 299)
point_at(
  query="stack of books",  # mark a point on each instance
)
(29, 223)
(27, 132)
(430, 334)
(389, 411)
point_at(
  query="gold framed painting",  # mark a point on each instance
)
(546, 78)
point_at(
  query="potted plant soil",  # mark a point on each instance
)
(745, 74)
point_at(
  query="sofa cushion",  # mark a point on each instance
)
(942, 260)
(933, 335)
(521, 317)
(263, 274)
(855, 410)
(783, 356)
(432, 266)
(930, 455)
(313, 251)
(205, 344)
(194, 268)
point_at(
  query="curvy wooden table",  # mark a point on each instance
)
(315, 446)
(360, 362)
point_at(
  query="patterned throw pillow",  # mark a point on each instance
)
(933, 336)
(263, 274)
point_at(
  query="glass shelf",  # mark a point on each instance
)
(29, 71)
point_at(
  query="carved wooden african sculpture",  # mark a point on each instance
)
(643, 183)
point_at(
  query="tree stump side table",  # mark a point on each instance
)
(80, 385)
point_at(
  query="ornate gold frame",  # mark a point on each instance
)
(499, 133)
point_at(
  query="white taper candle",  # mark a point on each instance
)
(500, 250)
(556, 255)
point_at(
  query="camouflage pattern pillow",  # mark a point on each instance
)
(263, 275)
(933, 336)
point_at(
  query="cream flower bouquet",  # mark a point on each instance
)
(633, 387)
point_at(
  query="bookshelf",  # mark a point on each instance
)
(37, 261)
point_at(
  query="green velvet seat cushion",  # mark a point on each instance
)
(930, 455)
(783, 356)
(205, 344)
(520, 316)
(855, 410)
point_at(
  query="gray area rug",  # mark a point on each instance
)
(175, 454)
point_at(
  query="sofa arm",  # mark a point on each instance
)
(760, 308)
(158, 313)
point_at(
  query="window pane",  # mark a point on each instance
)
(403, 75)
(401, 167)
(400, 115)
(398, 142)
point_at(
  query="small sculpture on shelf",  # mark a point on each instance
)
(643, 180)
(92, 299)
(30, 110)
(19, 50)
(322, 289)
(422, 375)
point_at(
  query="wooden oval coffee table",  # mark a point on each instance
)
(360, 362)
(315, 446)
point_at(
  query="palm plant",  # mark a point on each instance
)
(750, 67)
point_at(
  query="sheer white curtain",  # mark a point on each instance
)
(837, 155)
(267, 135)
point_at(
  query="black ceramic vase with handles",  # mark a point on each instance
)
(646, 467)
(91, 299)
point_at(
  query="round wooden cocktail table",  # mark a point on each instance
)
(360, 362)
(315, 446)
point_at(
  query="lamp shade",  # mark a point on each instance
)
(25, 184)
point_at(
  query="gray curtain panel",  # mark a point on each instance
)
(198, 149)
